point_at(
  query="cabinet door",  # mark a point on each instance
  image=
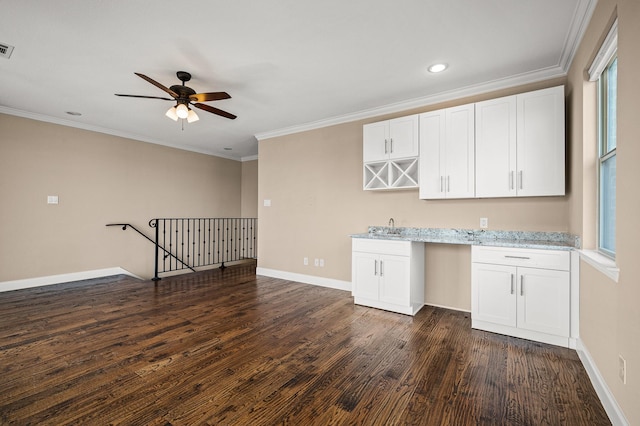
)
(395, 280)
(493, 295)
(403, 137)
(459, 161)
(543, 301)
(432, 137)
(365, 275)
(541, 143)
(375, 141)
(496, 147)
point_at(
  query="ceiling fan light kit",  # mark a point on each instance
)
(184, 97)
(192, 116)
(182, 111)
(171, 113)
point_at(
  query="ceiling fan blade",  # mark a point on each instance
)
(158, 85)
(211, 96)
(214, 110)
(146, 97)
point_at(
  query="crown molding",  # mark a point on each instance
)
(476, 89)
(104, 130)
(579, 23)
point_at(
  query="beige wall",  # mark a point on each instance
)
(609, 313)
(249, 202)
(314, 182)
(100, 179)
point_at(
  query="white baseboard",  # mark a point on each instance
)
(447, 307)
(604, 393)
(307, 279)
(63, 278)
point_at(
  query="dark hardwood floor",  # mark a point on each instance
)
(230, 348)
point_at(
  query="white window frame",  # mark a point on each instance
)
(606, 55)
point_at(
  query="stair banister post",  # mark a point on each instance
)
(154, 224)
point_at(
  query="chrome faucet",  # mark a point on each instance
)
(392, 223)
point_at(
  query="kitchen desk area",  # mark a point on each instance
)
(523, 284)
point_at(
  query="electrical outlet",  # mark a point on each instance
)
(306, 261)
(316, 262)
(322, 263)
(484, 222)
(622, 369)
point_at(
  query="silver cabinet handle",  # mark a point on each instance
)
(448, 184)
(512, 277)
(385, 147)
(381, 265)
(516, 257)
(521, 285)
(391, 150)
(441, 179)
(375, 267)
(520, 173)
(511, 180)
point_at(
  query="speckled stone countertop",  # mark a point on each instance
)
(483, 237)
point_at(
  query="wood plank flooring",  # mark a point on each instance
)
(231, 348)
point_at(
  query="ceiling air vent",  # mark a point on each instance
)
(5, 50)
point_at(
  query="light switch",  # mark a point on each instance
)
(52, 199)
(267, 203)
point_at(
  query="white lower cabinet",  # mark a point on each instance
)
(388, 275)
(522, 292)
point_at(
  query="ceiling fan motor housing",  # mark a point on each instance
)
(183, 92)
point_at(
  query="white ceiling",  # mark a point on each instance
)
(288, 64)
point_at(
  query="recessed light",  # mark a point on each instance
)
(74, 113)
(437, 68)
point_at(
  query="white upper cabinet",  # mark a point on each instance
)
(541, 142)
(391, 139)
(447, 153)
(390, 154)
(520, 145)
(496, 147)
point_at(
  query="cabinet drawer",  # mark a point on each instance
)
(532, 258)
(400, 248)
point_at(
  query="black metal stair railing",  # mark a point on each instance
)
(189, 243)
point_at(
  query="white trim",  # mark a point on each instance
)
(601, 263)
(615, 413)
(579, 22)
(451, 308)
(64, 278)
(606, 52)
(307, 279)
(477, 89)
(98, 129)
(574, 322)
(249, 158)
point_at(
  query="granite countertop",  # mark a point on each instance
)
(481, 237)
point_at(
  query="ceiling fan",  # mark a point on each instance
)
(185, 97)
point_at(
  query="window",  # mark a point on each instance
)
(607, 125)
(604, 70)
